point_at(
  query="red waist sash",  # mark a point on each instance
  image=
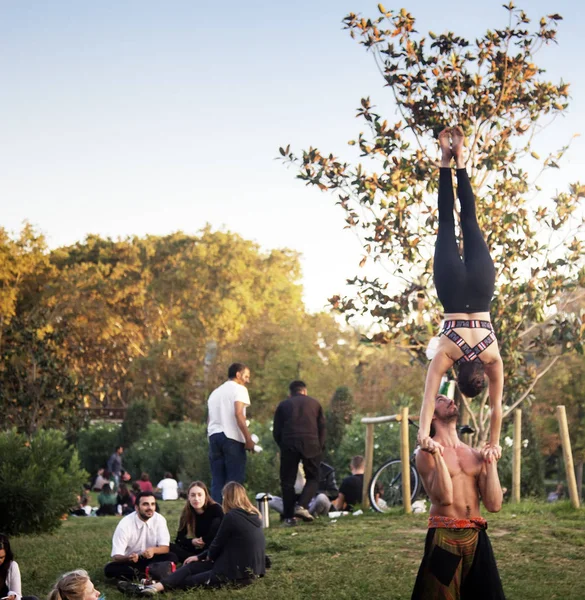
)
(478, 523)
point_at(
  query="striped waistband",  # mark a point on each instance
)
(467, 324)
(437, 521)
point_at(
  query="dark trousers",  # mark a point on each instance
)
(463, 285)
(197, 574)
(191, 575)
(289, 465)
(227, 459)
(130, 570)
(184, 553)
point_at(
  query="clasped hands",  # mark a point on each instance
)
(490, 452)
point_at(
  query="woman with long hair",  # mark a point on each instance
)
(10, 583)
(236, 555)
(75, 585)
(465, 287)
(199, 522)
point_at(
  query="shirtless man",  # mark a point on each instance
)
(458, 560)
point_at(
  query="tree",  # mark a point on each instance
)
(339, 414)
(138, 418)
(563, 385)
(493, 89)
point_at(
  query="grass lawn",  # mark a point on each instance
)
(540, 551)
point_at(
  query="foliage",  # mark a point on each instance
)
(496, 92)
(40, 478)
(36, 388)
(340, 412)
(531, 462)
(138, 418)
(96, 443)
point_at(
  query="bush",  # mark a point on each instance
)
(96, 443)
(339, 414)
(386, 445)
(183, 449)
(138, 418)
(40, 480)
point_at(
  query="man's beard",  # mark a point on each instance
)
(449, 418)
(144, 516)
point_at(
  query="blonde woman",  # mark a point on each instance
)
(236, 555)
(75, 585)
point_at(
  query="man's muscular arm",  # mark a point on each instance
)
(435, 476)
(489, 486)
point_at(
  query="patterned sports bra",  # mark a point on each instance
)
(469, 354)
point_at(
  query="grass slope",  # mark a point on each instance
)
(540, 551)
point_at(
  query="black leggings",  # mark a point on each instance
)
(196, 574)
(463, 286)
(129, 570)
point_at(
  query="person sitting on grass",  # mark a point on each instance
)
(321, 502)
(75, 585)
(107, 501)
(141, 538)
(236, 555)
(124, 500)
(168, 487)
(10, 584)
(199, 522)
(351, 489)
(144, 482)
(100, 480)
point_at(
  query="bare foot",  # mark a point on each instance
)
(458, 138)
(445, 145)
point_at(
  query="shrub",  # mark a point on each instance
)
(96, 443)
(338, 415)
(138, 418)
(40, 480)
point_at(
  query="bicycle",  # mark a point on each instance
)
(385, 489)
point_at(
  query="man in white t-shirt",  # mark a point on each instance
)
(228, 433)
(140, 539)
(169, 487)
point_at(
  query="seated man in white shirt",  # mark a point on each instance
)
(140, 539)
(168, 487)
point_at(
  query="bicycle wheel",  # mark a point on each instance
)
(385, 489)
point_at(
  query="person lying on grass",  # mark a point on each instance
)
(75, 585)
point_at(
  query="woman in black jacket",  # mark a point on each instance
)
(199, 522)
(236, 555)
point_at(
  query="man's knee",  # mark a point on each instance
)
(320, 505)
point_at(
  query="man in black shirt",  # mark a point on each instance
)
(351, 489)
(299, 431)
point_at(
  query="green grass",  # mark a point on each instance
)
(540, 551)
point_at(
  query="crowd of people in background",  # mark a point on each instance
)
(219, 537)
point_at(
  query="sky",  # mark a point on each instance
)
(140, 117)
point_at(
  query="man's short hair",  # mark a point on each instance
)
(235, 368)
(296, 387)
(141, 495)
(357, 462)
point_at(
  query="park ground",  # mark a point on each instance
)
(540, 550)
